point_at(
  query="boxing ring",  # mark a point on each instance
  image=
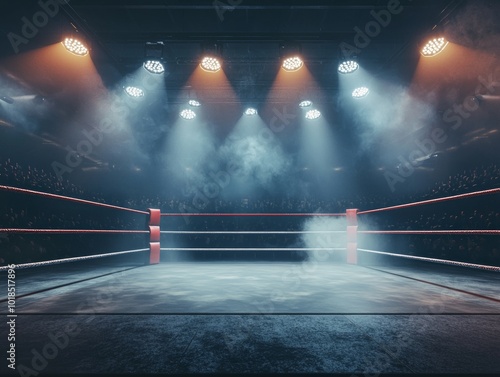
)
(242, 301)
(317, 255)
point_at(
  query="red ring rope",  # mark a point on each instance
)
(68, 198)
(438, 200)
(251, 232)
(252, 248)
(252, 214)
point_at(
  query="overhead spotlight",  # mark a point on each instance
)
(313, 114)
(480, 98)
(360, 92)
(154, 66)
(305, 103)
(434, 47)
(290, 52)
(348, 66)
(210, 64)
(187, 114)
(74, 46)
(153, 54)
(250, 111)
(194, 103)
(7, 99)
(292, 64)
(212, 55)
(134, 91)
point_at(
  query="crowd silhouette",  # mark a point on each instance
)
(19, 211)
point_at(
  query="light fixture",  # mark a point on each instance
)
(290, 52)
(74, 46)
(187, 114)
(360, 92)
(250, 111)
(154, 66)
(153, 57)
(305, 103)
(7, 99)
(212, 56)
(210, 64)
(434, 47)
(313, 114)
(134, 91)
(194, 103)
(348, 66)
(292, 64)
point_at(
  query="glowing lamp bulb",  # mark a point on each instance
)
(313, 114)
(133, 91)
(250, 111)
(210, 64)
(292, 64)
(305, 103)
(434, 47)
(360, 92)
(348, 66)
(154, 66)
(75, 46)
(187, 114)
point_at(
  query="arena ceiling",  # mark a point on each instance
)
(249, 34)
(384, 35)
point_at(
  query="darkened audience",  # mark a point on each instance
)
(31, 212)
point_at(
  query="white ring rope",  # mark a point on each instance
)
(74, 259)
(442, 261)
(483, 232)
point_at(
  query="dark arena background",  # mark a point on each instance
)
(253, 187)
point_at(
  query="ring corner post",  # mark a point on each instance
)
(352, 235)
(154, 235)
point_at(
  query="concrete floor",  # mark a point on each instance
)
(256, 317)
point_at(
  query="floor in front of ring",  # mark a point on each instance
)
(237, 317)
